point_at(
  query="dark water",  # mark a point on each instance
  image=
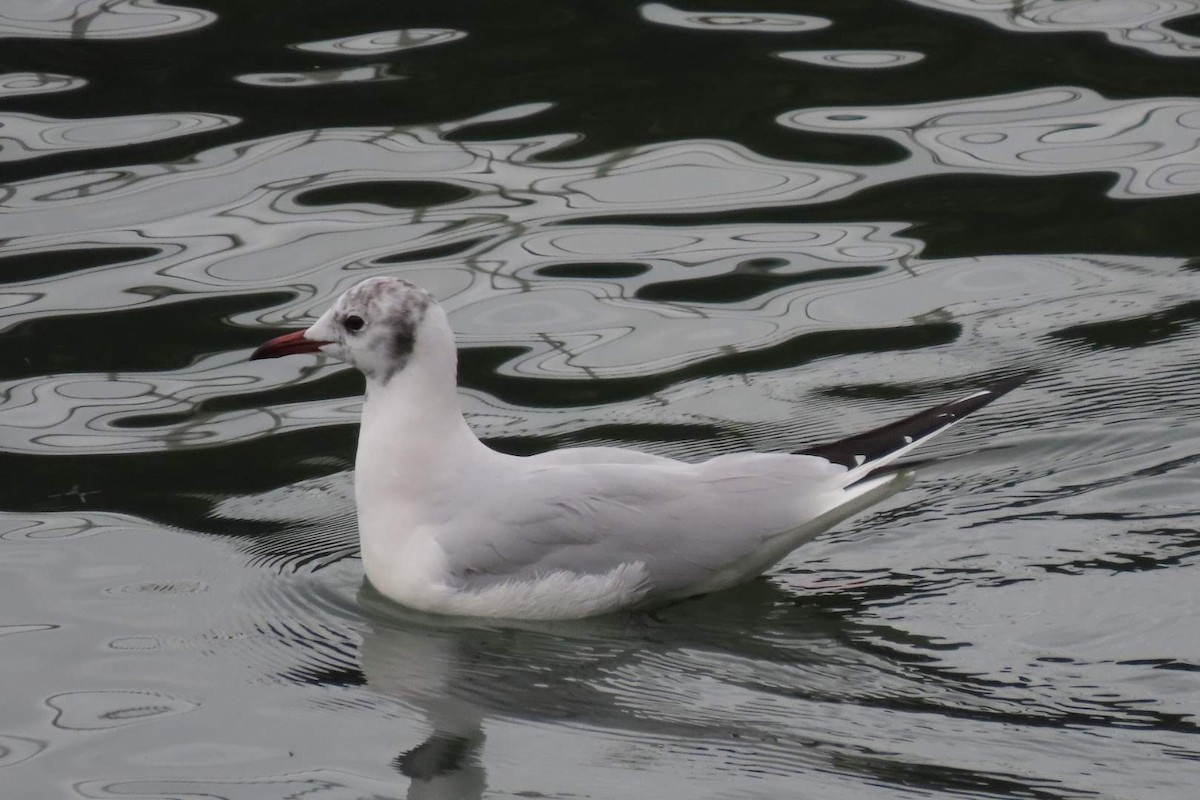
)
(692, 229)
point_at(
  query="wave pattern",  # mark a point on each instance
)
(731, 20)
(383, 42)
(1138, 24)
(100, 19)
(518, 224)
(1150, 145)
(854, 59)
(28, 136)
(874, 224)
(13, 84)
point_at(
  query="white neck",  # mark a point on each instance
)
(416, 459)
(414, 442)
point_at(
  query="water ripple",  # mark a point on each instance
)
(998, 630)
(93, 711)
(854, 59)
(1150, 144)
(368, 73)
(17, 527)
(13, 84)
(15, 749)
(308, 784)
(314, 522)
(588, 329)
(731, 20)
(381, 42)
(100, 19)
(1127, 23)
(25, 136)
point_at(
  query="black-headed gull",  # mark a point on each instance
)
(448, 525)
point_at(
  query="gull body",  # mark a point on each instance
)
(448, 525)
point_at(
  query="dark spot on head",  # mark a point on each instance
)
(393, 310)
(404, 339)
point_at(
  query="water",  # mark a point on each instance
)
(693, 229)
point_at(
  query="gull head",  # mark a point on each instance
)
(375, 326)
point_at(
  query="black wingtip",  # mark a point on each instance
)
(881, 442)
(1006, 385)
(984, 395)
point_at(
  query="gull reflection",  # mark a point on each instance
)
(675, 688)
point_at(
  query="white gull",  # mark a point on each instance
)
(448, 525)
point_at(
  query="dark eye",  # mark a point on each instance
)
(354, 323)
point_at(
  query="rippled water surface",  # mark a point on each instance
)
(687, 228)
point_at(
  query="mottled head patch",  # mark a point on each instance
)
(392, 310)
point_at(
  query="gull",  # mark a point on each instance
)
(449, 526)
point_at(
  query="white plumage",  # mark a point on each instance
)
(448, 525)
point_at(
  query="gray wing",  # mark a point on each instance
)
(692, 527)
(685, 523)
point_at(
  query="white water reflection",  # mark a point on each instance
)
(597, 329)
(83, 413)
(511, 244)
(235, 214)
(98, 19)
(1129, 23)
(25, 136)
(13, 84)
(854, 59)
(731, 20)
(375, 44)
(1152, 145)
(370, 73)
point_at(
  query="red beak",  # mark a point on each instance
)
(286, 345)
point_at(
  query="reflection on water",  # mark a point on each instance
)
(18, 83)
(98, 19)
(185, 613)
(598, 330)
(854, 59)
(1151, 145)
(481, 225)
(367, 73)
(1137, 24)
(28, 136)
(377, 44)
(826, 677)
(731, 20)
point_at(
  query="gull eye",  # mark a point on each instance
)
(354, 323)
